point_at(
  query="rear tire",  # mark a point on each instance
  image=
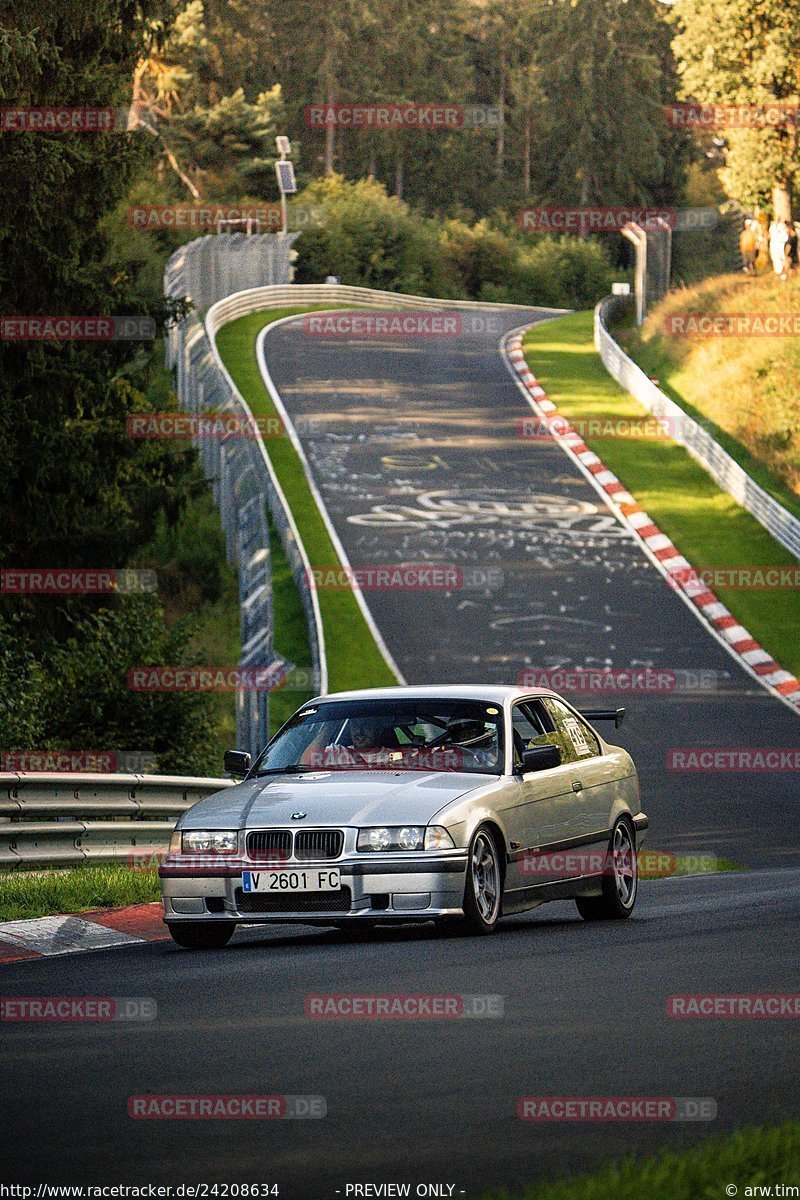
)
(484, 884)
(620, 883)
(201, 935)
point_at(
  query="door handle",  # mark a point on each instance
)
(577, 786)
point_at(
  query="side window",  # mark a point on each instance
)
(575, 738)
(533, 726)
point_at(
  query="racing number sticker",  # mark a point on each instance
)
(577, 735)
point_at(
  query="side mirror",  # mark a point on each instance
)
(540, 758)
(236, 762)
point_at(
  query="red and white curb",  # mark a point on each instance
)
(672, 564)
(41, 937)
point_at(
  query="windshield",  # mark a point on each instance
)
(393, 735)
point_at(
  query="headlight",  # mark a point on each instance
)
(437, 838)
(404, 837)
(375, 839)
(411, 837)
(209, 841)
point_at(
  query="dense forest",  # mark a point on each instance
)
(557, 102)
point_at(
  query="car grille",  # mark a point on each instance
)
(318, 843)
(275, 845)
(270, 845)
(293, 902)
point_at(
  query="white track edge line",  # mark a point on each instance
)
(559, 439)
(337, 545)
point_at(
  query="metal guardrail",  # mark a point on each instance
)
(723, 469)
(278, 296)
(234, 466)
(60, 820)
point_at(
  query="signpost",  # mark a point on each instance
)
(284, 169)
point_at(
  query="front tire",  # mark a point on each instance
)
(620, 884)
(201, 935)
(484, 884)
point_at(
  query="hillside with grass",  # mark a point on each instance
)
(743, 389)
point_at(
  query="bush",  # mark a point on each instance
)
(189, 556)
(562, 272)
(74, 694)
(369, 239)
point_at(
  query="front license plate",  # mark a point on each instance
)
(317, 880)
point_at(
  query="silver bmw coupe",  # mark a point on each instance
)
(401, 804)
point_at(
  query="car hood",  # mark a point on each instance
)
(332, 798)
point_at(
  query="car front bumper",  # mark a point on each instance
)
(392, 888)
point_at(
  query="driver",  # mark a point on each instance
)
(364, 742)
(475, 739)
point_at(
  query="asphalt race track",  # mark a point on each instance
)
(416, 1100)
(414, 445)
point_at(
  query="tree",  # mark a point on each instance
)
(605, 132)
(525, 86)
(230, 146)
(75, 490)
(747, 52)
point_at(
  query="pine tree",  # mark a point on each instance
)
(606, 135)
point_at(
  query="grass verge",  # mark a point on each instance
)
(746, 1158)
(78, 889)
(354, 659)
(705, 523)
(291, 632)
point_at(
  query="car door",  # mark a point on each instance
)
(594, 775)
(550, 801)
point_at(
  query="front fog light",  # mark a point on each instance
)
(411, 838)
(437, 838)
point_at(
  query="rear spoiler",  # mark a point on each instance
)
(617, 715)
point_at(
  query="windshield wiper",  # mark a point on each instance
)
(291, 769)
